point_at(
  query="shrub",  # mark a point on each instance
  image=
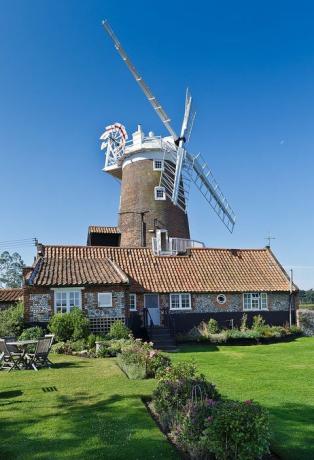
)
(32, 333)
(156, 363)
(69, 326)
(80, 324)
(243, 325)
(177, 385)
(58, 348)
(258, 322)
(248, 334)
(220, 337)
(118, 330)
(237, 431)
(11, 321)
(212, 326)
(189, 426)
(61, 326)
(135, 370)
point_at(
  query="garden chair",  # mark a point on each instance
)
(12, 348)
(40, 357)
(8, 359)
(52, 337)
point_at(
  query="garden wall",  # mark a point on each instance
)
(305, 320)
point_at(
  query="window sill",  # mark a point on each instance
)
(180, 309)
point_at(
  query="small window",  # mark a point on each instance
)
(180, 301)
(255, 301)
(158, 165)
(132, 302)
(160, 193)
(221, 298)
(104, 299)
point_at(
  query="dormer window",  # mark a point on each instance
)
(158, 165)
(160, 193)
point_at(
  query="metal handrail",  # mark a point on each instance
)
(146, 311)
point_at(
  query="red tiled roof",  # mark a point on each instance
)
(11, 295)
(99, 229)
(202, 270)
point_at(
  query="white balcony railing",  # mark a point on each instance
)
(174, 246)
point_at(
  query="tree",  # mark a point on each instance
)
(11, 267)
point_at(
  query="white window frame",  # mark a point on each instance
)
(156, 168)
(180, 294)
(98, 301)
(224, 299)
(67, 292)
(255, 301)
(156, 190)
(133, 296)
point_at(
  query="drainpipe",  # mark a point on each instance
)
(290, 298)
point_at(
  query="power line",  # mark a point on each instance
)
(18, 243)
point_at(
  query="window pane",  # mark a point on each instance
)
(132, 301)
(174, 301)
(105, 299)
(264, 301)
(247, 301)
(185, 301)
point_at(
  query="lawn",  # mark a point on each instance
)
(88, 409)
(279, 376)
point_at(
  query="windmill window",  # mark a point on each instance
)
(158, 165)
(180, 301)
(104, 299)
(160, 193)
(221, 298)
(132, 302)
(253, 301)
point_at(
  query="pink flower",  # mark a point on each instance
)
(210, 402)
(210, 418)
(248, 402)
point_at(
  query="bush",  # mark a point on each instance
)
(61, 326)
(177, 385)
(32, 333)
(80, 324)
(212, 326)
(237, 431)
(11, 321)
(135, 370)
(220, 337)
(258, 323)
(118, 330)
(69, 326)
(190, 424)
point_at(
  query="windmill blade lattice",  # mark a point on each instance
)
(204, 180)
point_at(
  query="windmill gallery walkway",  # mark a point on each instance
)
(83, 408)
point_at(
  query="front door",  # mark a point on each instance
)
(151, 302)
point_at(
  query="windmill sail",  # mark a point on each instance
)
(144, 87)
(204, 180)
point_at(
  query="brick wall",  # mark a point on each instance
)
(137, 195)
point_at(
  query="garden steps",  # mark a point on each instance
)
(162, 339)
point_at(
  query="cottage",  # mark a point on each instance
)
(9, 297)
(110, 283)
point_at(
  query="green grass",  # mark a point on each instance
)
(80, 409)
(307, 306)
(279, 376)
(88, 409)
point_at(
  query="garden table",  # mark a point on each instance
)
(22, 346)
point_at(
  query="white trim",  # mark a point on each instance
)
(133, 294)
(156, 168)
(180, 301)
(262, 298)
(224, 300)
(74, 288)
(104, 306)
(161, 189)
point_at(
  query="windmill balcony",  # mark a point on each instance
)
(174, 246)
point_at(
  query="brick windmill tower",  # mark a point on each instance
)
(155, 174)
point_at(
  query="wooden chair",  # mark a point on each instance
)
(8, 359)
(12, 348)
(40, 357)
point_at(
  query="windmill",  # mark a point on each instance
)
(180, 167)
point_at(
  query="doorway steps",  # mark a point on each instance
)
(162, 338)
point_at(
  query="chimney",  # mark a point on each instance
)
(40, 250)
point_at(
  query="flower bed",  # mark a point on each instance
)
(258, 333)
(203, 425)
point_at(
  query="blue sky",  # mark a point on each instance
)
(250, 68)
